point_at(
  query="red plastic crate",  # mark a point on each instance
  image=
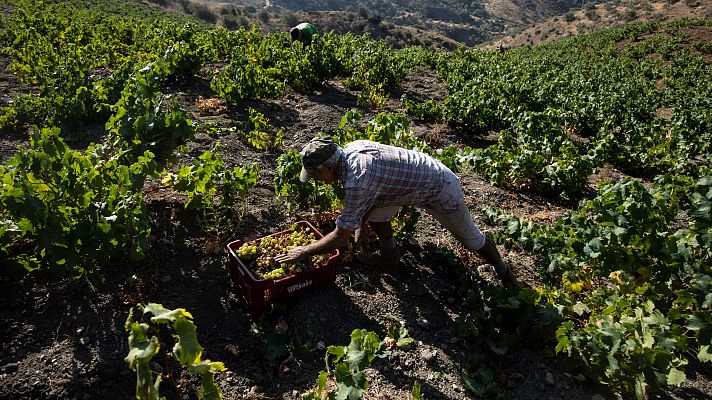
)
(260, 292)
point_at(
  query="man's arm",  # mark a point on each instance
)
(339, 237)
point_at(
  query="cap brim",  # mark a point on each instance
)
(305, 175)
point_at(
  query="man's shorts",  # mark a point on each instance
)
(449, 209)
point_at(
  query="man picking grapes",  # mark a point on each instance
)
(303, 32)
(378, 180)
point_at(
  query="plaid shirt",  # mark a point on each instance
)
(377, 175)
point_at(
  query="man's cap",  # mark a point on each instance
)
(315, 153)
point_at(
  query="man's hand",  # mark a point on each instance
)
(333, 240)
(291, 256)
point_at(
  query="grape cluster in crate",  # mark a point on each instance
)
(259, 256)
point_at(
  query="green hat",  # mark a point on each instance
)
(315, 153)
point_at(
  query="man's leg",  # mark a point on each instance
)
(490, 253)
(361, 237)
(453, 214)
(461, 226)
(383, 230)
(379, 219)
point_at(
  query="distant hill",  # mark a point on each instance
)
(593, 17)
(444, 22)
(440, 24)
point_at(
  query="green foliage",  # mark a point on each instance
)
(142, 123)
(208, 183)
(386, 128)
(493, 324)
(219, 192)
(273, 342)
(404, 222)
(187, 351)
(265, 66)
(373, 97)
(399, 335)
(349, 365)
(242, 79)
(374, 64)
(184, 58)
(297, 195)
(535, 154)
(327, 56)
(591, 107)
(416, 391)
(428, 111)
(628, 345)
(78, 57)
(74, 209)
(263, 135)
(276, 345)
(78, 209)
(630, 290)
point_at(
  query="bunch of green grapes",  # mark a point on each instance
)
(260, 255)
(247, 251)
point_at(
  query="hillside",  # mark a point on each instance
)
(442, 24)
(593, 17)
(437, 24)
(138, 145)
(277, 18)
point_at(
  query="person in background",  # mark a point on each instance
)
(303, 32)
(378, 180)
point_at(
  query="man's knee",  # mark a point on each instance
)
(479, 241)
(472, 238)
